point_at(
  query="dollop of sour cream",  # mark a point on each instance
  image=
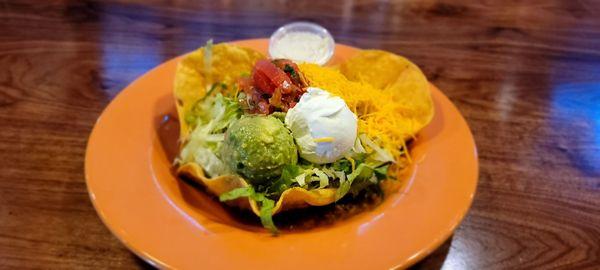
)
(322, 125)
(302, 47)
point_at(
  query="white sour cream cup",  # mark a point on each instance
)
(302, 42)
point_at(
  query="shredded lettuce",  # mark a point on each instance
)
(339, 174)
(323, 179)
(210, 162)
(362, 182)
(329, 172)
(212, 116)
(343, 165)
(266, 211)
(289, 174)
(358, 147)
(362, 171)
(381, 172)
(381, 155)
(301, 175)
(300, 179)
(266, 205)
(237, 193)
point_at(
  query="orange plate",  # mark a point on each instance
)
(171, 225)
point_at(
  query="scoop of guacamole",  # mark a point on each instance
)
(257, 148)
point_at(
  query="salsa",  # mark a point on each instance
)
(274, 86)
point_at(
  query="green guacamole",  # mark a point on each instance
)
(257, 148)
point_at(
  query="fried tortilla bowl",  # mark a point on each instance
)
(228, 62)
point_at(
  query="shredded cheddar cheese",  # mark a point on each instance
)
(324, 139)
(381, 115)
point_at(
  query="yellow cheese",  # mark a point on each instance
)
(381, 115)
(324, 139)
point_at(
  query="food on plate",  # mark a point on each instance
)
(206, 69)
(257, 148)
(397, 78)
(322, 125)
(273, 86)
(392, 108)
(272, 135)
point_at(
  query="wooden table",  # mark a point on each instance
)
(526, 76)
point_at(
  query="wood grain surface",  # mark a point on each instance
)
(525, 74)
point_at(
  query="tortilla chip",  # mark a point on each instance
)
(290, 199)
(196, 73)
(391, 72)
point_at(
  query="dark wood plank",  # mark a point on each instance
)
(526, 75)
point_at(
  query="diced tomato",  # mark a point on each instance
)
(274, 86)
(262, 82)
(291, 69)
(267, 76)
